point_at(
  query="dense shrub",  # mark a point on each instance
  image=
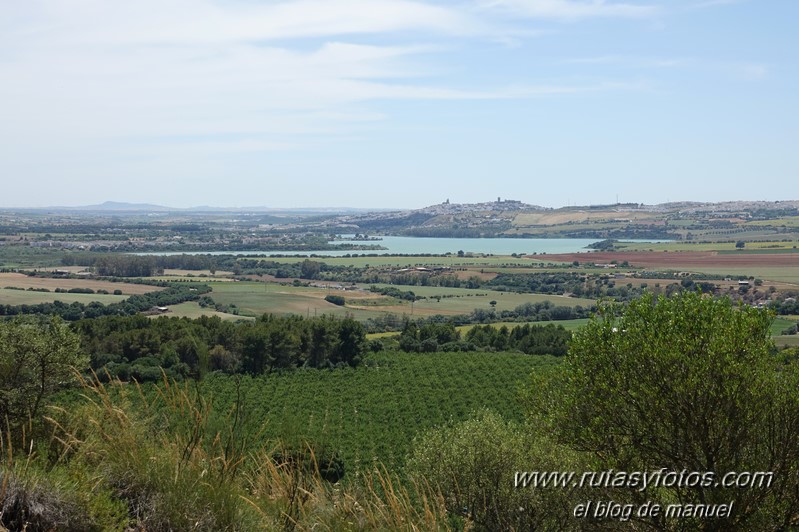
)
(473, 465)
(683, 383)
(336, 300)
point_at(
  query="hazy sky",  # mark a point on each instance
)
(397, 103)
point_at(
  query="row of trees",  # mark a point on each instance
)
(121, 265)
(788, 306)
(138, 347)
(526, 312)
(182, 261)
(531, 339)
(576, 284)
(547, 339)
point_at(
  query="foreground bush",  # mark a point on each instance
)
(473, 464)
(37, 358)
(683, 383)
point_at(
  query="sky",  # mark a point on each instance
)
(397, 103)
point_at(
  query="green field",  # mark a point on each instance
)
(780, 324)
(256, 298)
(505, 301)
(28, 297)
(29, 257)
(785, 274)
(193, 310)
(373, 412)
(787, 341)
(787, 221)
(703, 246)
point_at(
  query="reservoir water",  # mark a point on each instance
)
(407, 245)
(494, 246)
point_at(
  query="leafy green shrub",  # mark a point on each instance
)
(80, 291)
(684, 383)
(473, 465)
(336, 300)
(37, 357)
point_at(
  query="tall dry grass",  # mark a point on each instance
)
(124, 458)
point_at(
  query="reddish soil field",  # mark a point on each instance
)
(666, 259)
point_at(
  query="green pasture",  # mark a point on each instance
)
(504, 301)
(787, 341)
(193, 310)
(377, 336)
(16, 256)
(29, 297)
(470, 293)
(784, 274)
(787, 221)
(464, 300)
(256, 298)
(702, 246)
(779, 325)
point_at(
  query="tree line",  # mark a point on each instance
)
(137, 347)
(526, 312)
(547, 339)
(122, 265)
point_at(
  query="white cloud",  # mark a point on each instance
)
(206, 21)
(571, 9)
(84, 77)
